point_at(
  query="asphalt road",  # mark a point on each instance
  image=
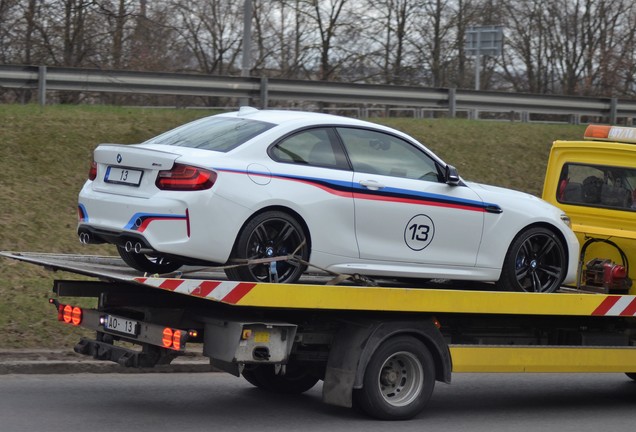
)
(220, 402)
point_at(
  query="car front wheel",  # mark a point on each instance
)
(269, 235)
(535, 262)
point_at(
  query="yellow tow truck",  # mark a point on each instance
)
(379, 348)
(594, 182)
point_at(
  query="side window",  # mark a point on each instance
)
(597, 186)
(380, 153)
(310, 147)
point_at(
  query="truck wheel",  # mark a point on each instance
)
(631, 375)
(296, 380)
(250, 377)
(535, 262)
(148, 264)
(269, 235)
(398, 381)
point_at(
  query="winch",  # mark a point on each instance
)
(604, 275)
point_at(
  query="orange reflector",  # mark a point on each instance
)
(176, 340)
(68, 314)
(167, 337)
(76, 316)
(597, 131)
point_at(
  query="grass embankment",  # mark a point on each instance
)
(46, 155)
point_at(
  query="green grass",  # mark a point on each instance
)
(45, 156)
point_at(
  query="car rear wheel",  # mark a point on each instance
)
(535, 262)
(146, 263)
(268, 235)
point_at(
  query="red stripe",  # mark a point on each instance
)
(147, 221)
(205, 288)
(141, 280)
(606, 305)
(630, 310)
(417, 202)
(345, 194)
(238, 293)
(171, 284)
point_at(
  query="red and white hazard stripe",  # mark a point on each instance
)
(226, 292)
(617, 306)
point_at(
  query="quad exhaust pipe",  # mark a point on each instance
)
(85, 237)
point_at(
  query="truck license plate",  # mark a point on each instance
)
(121, 325)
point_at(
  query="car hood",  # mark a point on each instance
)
(517, 201)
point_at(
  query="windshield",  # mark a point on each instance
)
(213, 133)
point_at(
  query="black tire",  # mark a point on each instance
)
(631, 375)
(296, 380)
(148, 264)
(535, 262)
(250, 377)
(268, 235)
(398, 381)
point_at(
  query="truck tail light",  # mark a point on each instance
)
(185, 178)
(172, 338)
(69, 314)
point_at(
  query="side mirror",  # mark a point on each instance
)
(451, 177)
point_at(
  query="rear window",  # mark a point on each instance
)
(598, 186)
(220, 134)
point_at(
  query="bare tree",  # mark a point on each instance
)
(212, 31)
(331, 22)
(282, 34)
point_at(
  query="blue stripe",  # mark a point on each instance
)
(387, 191)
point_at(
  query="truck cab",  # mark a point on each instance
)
(594, 182)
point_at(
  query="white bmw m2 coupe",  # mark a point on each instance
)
(341, 194)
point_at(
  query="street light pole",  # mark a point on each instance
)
(247, 45)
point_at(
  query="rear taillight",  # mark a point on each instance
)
(185, 178)
(92, 172)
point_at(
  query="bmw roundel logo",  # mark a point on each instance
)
(118, 158)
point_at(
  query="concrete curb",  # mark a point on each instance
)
(39, 361)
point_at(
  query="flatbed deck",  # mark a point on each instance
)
(312, 293)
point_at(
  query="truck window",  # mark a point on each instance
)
(597, 186)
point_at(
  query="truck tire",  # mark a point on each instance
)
(296, 380)
(535, 262)
(398, 380)
(631, 375)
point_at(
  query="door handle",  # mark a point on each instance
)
(371, 184)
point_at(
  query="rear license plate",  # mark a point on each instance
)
(125, 176)
(121, 325)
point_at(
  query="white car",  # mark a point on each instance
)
(341, 194)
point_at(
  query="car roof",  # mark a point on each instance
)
(289, 116)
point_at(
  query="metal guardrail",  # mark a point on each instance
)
(264, 90)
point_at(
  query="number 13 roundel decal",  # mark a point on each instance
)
(419, 232)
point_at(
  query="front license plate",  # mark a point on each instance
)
(121, 325)
(125, 176)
